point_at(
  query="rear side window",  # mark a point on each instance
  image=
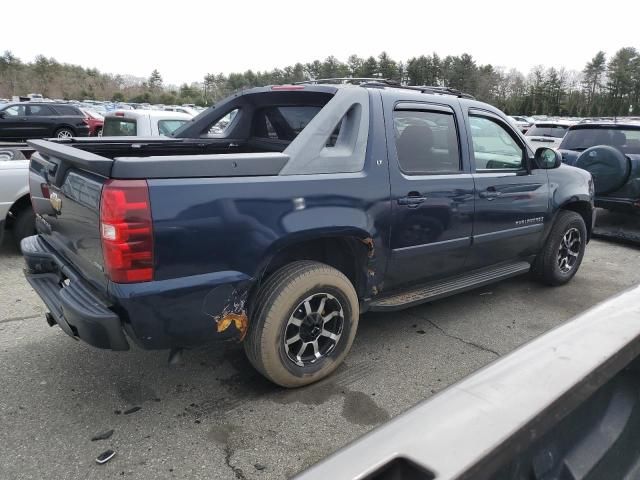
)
(426, 142)
(119, 127)
(39, 111)
(282, 123)
(167, 127)
(553, 131)
(68, 110)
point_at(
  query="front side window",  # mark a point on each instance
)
(167, 127)
(493, 146)
(15, 111)
(426, 142)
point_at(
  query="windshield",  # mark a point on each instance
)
(555, 131)
(626, 140)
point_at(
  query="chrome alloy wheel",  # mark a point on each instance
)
(569, 250)
(314, 329)
(64, 134)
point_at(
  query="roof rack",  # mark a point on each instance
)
(384, 82)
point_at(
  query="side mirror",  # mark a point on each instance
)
(2, 114)
(548, 158)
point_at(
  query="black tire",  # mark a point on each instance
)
(276, 304)
(65, 132)
(609, 167)
(550, 266)
(24, 224)
(99, 132)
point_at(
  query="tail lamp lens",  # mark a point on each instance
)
(126, 229)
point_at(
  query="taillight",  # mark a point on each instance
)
(126, 230)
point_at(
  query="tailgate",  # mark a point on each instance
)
(66, 184)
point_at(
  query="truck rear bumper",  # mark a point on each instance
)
(73, 307)
(180, 312)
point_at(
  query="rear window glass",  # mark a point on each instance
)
(67, 110)
(626, 140)
(221, 125)
(555, 131)
(167, 127)
(119, 127)
(283, 123)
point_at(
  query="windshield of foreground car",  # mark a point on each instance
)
(626, 140)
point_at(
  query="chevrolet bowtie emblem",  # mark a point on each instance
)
(56, 202)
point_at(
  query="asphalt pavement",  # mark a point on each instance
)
(214, 417)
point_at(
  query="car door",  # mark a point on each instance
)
(431, 190)
(13, 122)
(512, 196)
(41, 119)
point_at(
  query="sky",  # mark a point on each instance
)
(186, 39)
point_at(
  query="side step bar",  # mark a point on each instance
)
(436, 290)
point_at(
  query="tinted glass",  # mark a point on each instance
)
(118, 127)
(221, 125)
(283, 123)
(67, 110)
(426, 142)
(167, 127)
(555, 131)
(15, 111)
(493, 145)
(39, 111)
(627, 140)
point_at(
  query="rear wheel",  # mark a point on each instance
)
(24, 224)
(562, 254)
(64, 133)
(99, 132)
(303, 324)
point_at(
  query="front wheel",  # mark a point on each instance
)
(562, 254)
(303, 324)
(24, 225)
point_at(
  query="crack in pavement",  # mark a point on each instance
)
(228, 452)
(470, 343)
(17, 319)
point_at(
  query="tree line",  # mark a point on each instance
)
(605, 87)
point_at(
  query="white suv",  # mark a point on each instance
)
(16, 213)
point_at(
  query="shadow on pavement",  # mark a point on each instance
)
(619, 227)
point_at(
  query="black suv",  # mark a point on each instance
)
(21, 121)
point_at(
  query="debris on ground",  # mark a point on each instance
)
(259, 466)
(105, 456)
(132, 410)
(102, 436)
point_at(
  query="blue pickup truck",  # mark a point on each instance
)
(281, 214)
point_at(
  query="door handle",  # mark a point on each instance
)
(490, 194)
(412, 200)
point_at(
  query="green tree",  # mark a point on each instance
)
(155, 80)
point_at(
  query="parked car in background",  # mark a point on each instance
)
(313, 204)
(95, 121)
(188, 110)
(16, 213)
(143, 123)
(611, 152)
(546, 134)
(26, 120)
(522, 123)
